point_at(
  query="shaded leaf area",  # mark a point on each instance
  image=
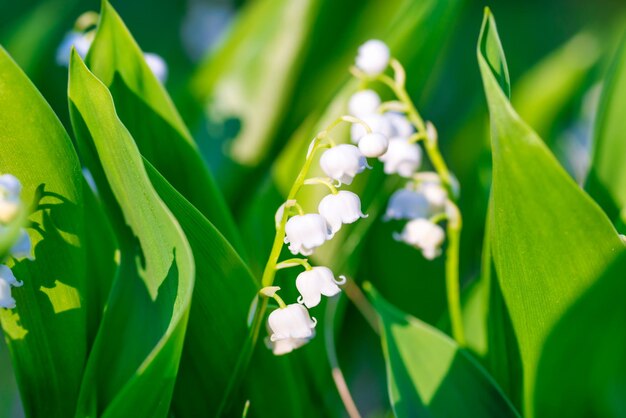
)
(540, 218)
(607, 178)
(47, 332)
(133, 365)
(429, 375)
(582, 369)
(148, 113)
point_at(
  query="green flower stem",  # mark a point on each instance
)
(294, 262)
(325, 181)
(452, 273)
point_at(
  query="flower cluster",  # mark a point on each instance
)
(10, 208)
(424, 201)
(291, 326)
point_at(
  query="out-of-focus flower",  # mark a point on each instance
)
(402, 157)
(373, 57)
(407, 204)
(363, 103)
(423, 235)
(343, 162)
(373, 145)
(401, 127)
(306, 232)
(10, 202)
(7, 280)
(79, 40)
(157, 65)
(377, 123)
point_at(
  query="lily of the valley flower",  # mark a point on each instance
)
(10, 202)
(157, 64)
(341, 208)
(423, 235)
(377, 123)
(407, 204)
(314, 283)
(373, 57)
(402, 157)
(79, 40)
(287, 345)
(363, 103)
(400, 125)
(343, 162)
(306, 232)
(291, 322)
(7, 280)
(23, 246)
(373, 145)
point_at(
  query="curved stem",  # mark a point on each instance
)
(452, 273)
(320, 180)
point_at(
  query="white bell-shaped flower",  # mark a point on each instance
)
(10, 202)
(423, 235)
(402, 157)
(80, 41)
(23, 246)
(7, 275)
(287, 345)
(363, 103)
(157, 65)
(377, 123)
(6, 300)
(10, 185)
(373, 57)
(373, 145)
(407, 204)
(306, 232)
(314, 283)
(343, 162)
(341, 208)
(292, 321)
(435, 194)
(400, 125)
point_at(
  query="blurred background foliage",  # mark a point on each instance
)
(254, 80)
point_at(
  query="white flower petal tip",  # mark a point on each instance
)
(269, 291)
(342, 280)
(285, 346)
(373, 145)
(341, 208)
(292, 321)
(306, 232)
(315, 283)
(373, 57)
(363, 103)
(377, 123)
(406, 204)
(157, 65)
(343, 162)
(423, 235)
(402, 157)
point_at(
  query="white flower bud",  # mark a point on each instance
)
(287, 345)
(423, 235)
(407, 204)
(341, 208)
(377, 123)
(304, 233)
(157, 65)
(373, 57)
(343, 162)
(314, 283)
(402, 157)
(373, 145)
(363, 103)
(400, 125)
(292, 321)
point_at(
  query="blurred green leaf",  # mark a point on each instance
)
(9, 394)
(550, 241)
(607, 178)
(428, 374)
(47, 332)
(582, 368)
(133, 365)
(147, 111)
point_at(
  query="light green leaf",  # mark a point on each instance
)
(582, 368)
(133, 365)
(148, 113)
(550, 241)
(47, 332)
(429, 375)
(607, 178)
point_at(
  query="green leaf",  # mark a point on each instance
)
(429, 375)
(550, 241)
(133, 365)
(47, 332)
(582, 368)
(607, 178)
(148, 113)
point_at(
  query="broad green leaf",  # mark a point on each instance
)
(147, 111)
(607, 178)
(429, 375)
(582, 368)
(550, 241)
(133, 365)
(47, 331)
